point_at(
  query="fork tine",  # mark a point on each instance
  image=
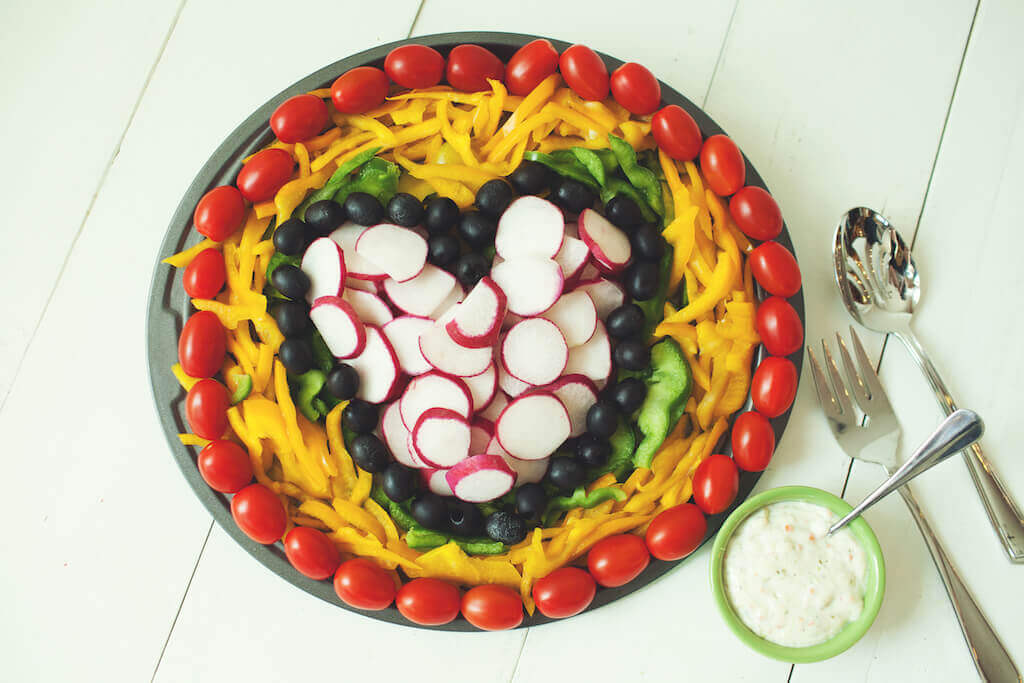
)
(821, 386)
(867, 370)
(842, 395)
(856, 384)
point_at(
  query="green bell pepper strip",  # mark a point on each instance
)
(616, 186)
(377, 177)
(654, 308)
(640, 177)
(276, 260)
(308, 386)
(623, 443)
(590, 161)
(419, 538)
(337, 179)
(568, 167)
(580, 499)
(480, 546)
(243, 387)
(400, 514)
(668, 388)
(322, 356)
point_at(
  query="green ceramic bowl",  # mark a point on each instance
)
(875, 584)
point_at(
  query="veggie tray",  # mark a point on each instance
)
(475, 331)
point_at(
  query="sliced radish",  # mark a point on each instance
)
(527, 471)
(324, 265)
(362, 285)
(441, 351)
(577, 393)
(534, 351)
(572, 229)
(510, 385)
(494, 408)
(434, 390)
(572, 257)
(532, 426)
(530, 226)
(404, 334)
(400, 252)
(377, 367)
(575, 315)
(369, 307)
(606, 295)
(396, 436)
(482, 387)
(447, 306)
(530, 284)
(338, 324)
(478, 318)
(510, 320)
(436, 481)
(481, 431)
(357, 266)
(589, 272)
(593, 359)
(606, 242)
(441, 438)
(481, 478)
(424, 293)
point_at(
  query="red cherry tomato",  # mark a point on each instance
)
(259, 513)
(205, 276)
(469, 67)
(635, 88)
(753, 441)
(715, 483)
(206, 408)
(564, 592)
(362, 584)
(617, 560)
(584, 71)
(774, 386)
(530, 65)
(676, 133)
(492, 608)
(676, 532)
(202, 345)
(299, 118)
(359, 90)
(414, 66)
(264, 174)
(311, 552)
(428, 602)
(775, 269)
(779, 326)
(723, 165)
(225, 466)
(219, 213)
(756, 213)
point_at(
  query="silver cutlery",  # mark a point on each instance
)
(875, 439)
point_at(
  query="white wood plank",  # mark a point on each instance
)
(72, 74)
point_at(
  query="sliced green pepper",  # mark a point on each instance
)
(668, 388)
(480, 546)
(337, 179)
(568, 167)
(623, 443)
(308, 385)
(322, 356)
(615, 186)
(377, 177)
(400, 514)
(640, 177)
(590, 161)
(243, 387)
(419, 538)
(277, 260)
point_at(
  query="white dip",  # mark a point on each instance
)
(789, 582)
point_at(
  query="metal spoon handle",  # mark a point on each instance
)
(956, 432)
(1004, 514)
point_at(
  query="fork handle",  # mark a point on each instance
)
(990, 656)
(1004, 514)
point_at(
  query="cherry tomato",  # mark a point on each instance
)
(492, 608)
(676, 532)
(469, 67)
(715, 483)
(311, 552)
(259, 513)
(617, 560)
(363, 584)
(359, 90)
(723, 165)
(635, 88)
(219, 213)
(206, 408)
(564, 592)
(584, 71)
(202, 345)
(779, 326)
(414, 66)
(299, 118)
(756, 213)
(530, 65)
(205, 276)
(753, 441)
(676, 133)
(775, 268)
(428, 602)
(264, 174)
(774, 386)
(225, 466)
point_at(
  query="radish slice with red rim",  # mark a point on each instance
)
(377, 367)
(572, 258)
(532, 426)
(577, 393)
(511, 386)
(338, 324)
(481, 431)
(527, 471)
(362, 285)
(436, 482)
(482, 387)
(606, 295)
(396, 436)
(398, 251)
(534, 351)
(593, 359)
(324, 265)
(357, 266)
(441, 351)
(607, 243)
(454, 297)
(494, 408)
(404, 334)
(575, 315)
(369, 307)
(441, 438)
(477, 320)
(434, 390)
(424, 293)
(531, 284)
(481, 478)
(530, 226)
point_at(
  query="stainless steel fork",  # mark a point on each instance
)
(874, 438)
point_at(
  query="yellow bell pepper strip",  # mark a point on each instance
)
(371, 125)
(316, 443)
(737, 362)
(185, 257)
(332, 424)
(265, 209)
(302, 157)
(468, 175)
(359, 518)
(184, 380)
(721, 281)
(253, 445)
(439, 93)
(322, 93)
(719, 382)
(314, 471)
(323, 141)
(230, 315)
(264, 365)
(596, 111)
(192, 440)
(292, 193)
(340, 147)
(534, 101)
(268, 331)
(456, 191)
(383, 110)
(361, 490)
(635, 133)
(411, 113)
(495, 105)
(681, 233)
(382, 517)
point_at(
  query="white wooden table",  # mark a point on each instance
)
(112, 569)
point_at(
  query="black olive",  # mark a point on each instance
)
(494, 196)
(632, 354)
(360, 416)
(506, 527)
(293, 236)
(531, 499)
(430, 510)
(292, 318)
(648, 244)
(325, 216)
(602, 419)
(290, 281)
(623, 212)
(363, 208)
(530, 177)
(574, 196)
(465, 519)
(641, 280)
(440, 215)
(296, 355)
(370, 453)
(443, 250)
(398, 482)
(471, 267)
(629, 394)
(566, 473)
(343, 381)
(625, 321)
(405, 210)
(477, 229)
(593, 451)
